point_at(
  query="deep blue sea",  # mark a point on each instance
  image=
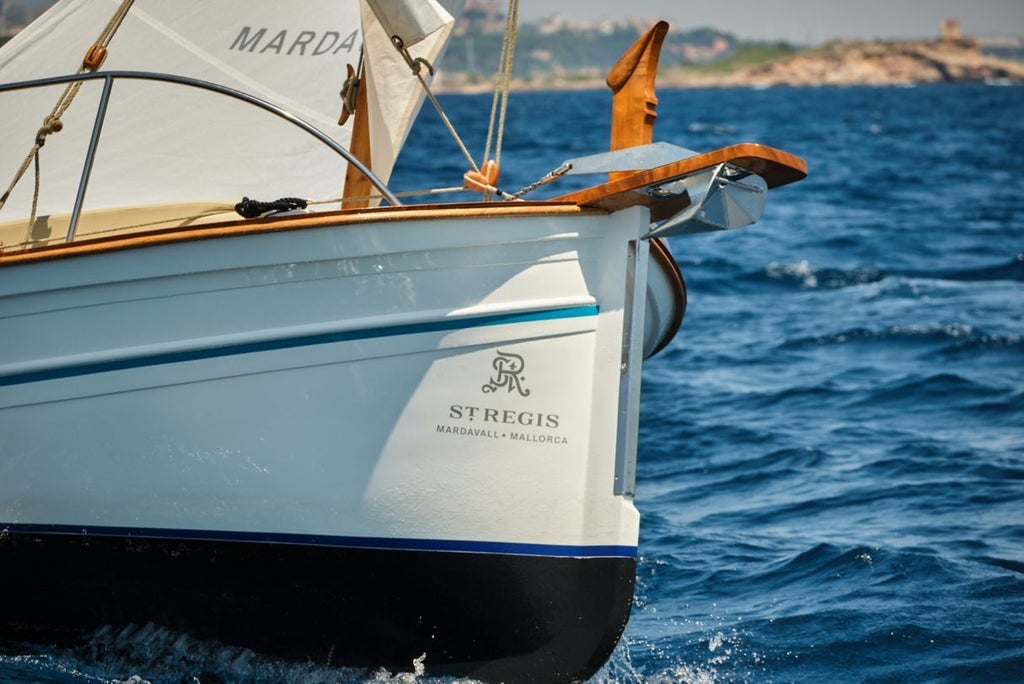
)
(831, 464)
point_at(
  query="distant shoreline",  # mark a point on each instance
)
(850, 63)
(667, 84)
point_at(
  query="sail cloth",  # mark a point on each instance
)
(163, 143)
(410, 20)
(424, 27)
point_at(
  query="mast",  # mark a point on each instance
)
(388, 95)
(356, 184)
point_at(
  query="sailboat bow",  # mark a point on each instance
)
(344, 429)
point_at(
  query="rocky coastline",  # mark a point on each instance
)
(846, 63)
(875, 64)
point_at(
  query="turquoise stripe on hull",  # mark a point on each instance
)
(148, 360)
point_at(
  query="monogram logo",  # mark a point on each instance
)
(508, 374)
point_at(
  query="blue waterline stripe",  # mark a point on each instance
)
(376, 543)
(144, 361)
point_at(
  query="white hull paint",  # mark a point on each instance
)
(353, 437)
(459, 384)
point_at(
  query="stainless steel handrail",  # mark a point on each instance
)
(109, 76)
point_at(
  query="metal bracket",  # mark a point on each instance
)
(722, 197)
(629, 159)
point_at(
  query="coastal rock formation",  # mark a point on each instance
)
(845, 63)
(862, 63)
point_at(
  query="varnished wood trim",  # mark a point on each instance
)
(357, 184)
(646, 47)
(775, 166)
(296, 222)
(634, 104)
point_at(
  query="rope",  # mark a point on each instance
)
(35, 201)
(94, 58)
(501, 90)
(250, 208)
(408, 193)
(503, 81)
(191, 218)
(115, 23)
(447, 123)
(416, 66)
(247, 206)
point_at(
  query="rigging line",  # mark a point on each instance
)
(447, 123)
(511, 30)
(498, 82)
(502, 83)
(407, 193)
(189, 220)
(94, 58)
(35, 202)
(416, 66)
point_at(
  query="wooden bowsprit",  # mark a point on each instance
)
(659, 189)
(686, 192)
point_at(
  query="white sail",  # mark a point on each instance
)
(410, 20)
(391, 115)
(168, 144)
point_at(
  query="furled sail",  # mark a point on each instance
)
(163, 143)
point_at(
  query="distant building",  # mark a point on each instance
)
(950, 30)
(481, 16)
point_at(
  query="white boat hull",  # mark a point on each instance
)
(363, 437)
(333, 381)
(464, 385)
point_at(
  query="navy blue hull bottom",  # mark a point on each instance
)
(486, 615)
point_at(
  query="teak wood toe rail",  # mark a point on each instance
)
(775, 166)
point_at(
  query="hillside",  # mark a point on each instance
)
(562, 54)
(580, 49)
(557, 53)
(890, 63)
(765, 65)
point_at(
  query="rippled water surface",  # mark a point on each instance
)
(831, 469)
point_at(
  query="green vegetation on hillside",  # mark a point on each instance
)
(567, 51)
(748, 54)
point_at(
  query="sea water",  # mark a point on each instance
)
(831, 461)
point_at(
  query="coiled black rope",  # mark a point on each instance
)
(250, 208)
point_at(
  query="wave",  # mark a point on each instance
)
(151, 654)
(805, 276)
(914, 393)
(723, 275)
(1003, 563)
(621, 669)
(1012, 270)
(715, 128)
(950, 337)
